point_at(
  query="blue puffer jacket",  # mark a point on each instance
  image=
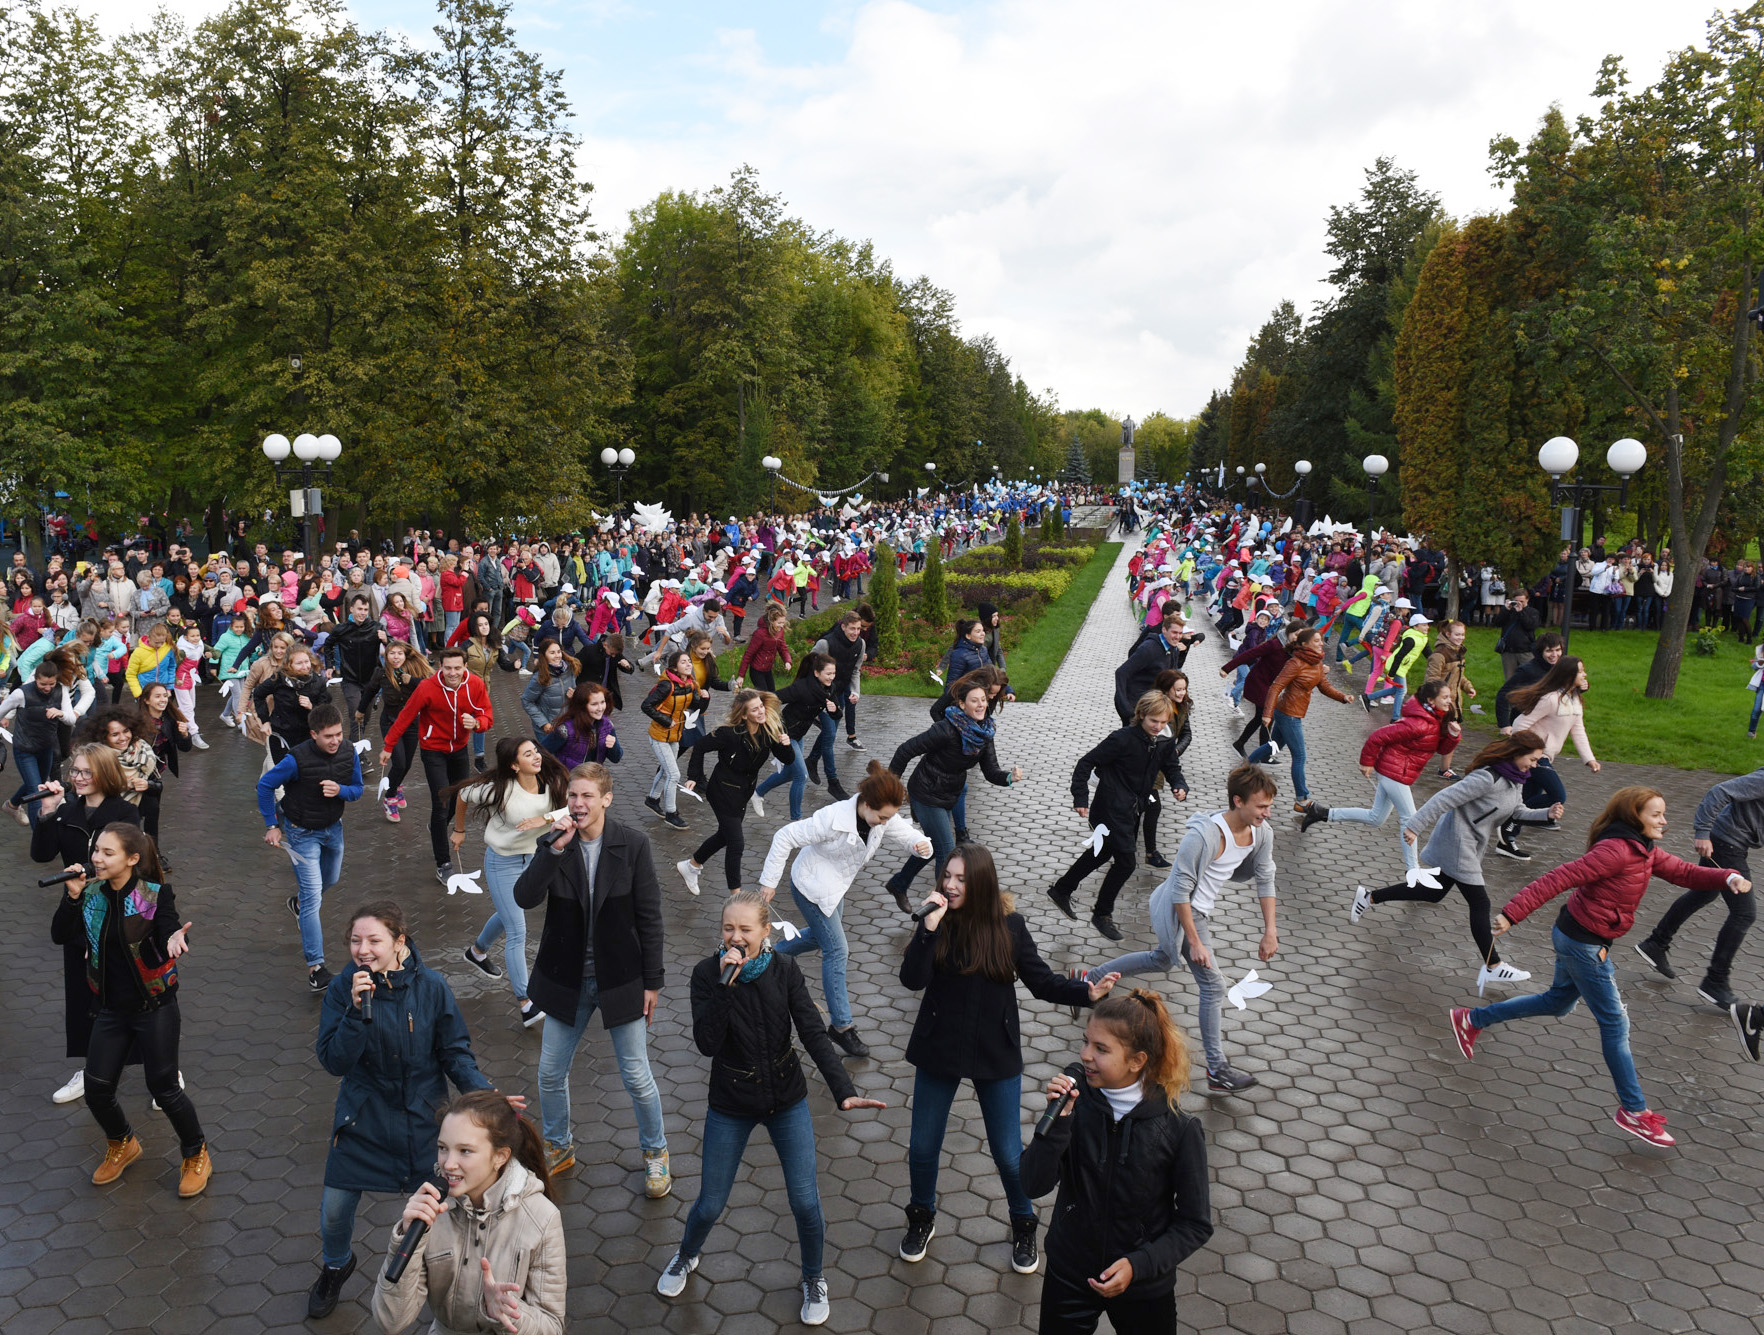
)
(395, 1072)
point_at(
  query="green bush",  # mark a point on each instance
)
(1708, 643)
(885, 599)
(933, 606)
(1013, 543)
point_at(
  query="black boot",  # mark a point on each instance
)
(834, 791)
(1313, 814)
(921, 1228)
(321, 1299)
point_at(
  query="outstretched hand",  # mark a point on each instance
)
(852, 1104)
(502, 1302)
(1103, 986)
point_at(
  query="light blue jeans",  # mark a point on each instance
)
(1583, 973)
(795, 774)
(792, 1131)
(1391, 796)
(318, 862)
(337, 1208)
(508, 920)
(667, 774)
(826, 933)
(1396, 693)
(1290, 733)
(630, 1043)
(1173, 946)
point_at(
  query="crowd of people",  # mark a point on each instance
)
(300, 652)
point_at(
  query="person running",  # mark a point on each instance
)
(1132, 1174)
(1552, 709)
(1411, 648)
(392, 1080)
(291, 695)
(1546, 652)
(668, 704)
(967, 956)
(1127, 763)
(1488, 798)
(1265, 661)
(1288, 700)
(753, 734)
(946, 751)
(600, 949)
(1153, 654)
(1174, 685)
(446, 710)
(1608, 882)
(317, 778)
(34, 709)
(604, 662)
(126, 917)
(1447, 663)
(551, 684)
(746, 999)
(167, 733)
(1220, 848)
(356, 645)
(765, 647)
(844, 643)
(395, 679)
(498, 1208)
(804, 701)
(832, 847)
(1393, 757)
(66, 829)
(1727, 826)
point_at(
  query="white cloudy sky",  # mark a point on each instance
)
(1118, 191)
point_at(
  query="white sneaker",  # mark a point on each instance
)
(815, 1308)
(1506, 973)
(1229, 698)
(673, 1279)
(1362, 902)
(688, 873)
(758, 804)
(526, 672)
(198, 743)
(74, 1089)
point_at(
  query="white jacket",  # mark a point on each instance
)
(832, 852)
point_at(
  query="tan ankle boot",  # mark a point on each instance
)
(193, 1179)
(118, 1155)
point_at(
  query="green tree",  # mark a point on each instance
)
(1013, 543)
(1077, 467)
(885, 602)
(933, 604)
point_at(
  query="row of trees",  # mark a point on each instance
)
(1616, 297)
(277, 221)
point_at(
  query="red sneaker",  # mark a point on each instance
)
(1464, 1031)
(1645, 1125)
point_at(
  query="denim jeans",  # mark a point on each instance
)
(1544, 787)
(450, 623)
(1619, 610)
(33, 768)
(823, 750)
(1290, 733)
(518, 649)
(792, 1131)
(508, 920)
(1757, 709)
(1237, 685)
(667, 774)
(1583, 973)
(1396, 693)
(337, 1208)
(1390, 796)
(959, 813)
(630, 1047)
(318, 862)
(940, 830)
(826, 933)
(1000, 1107)
(1173, 946)
(796, 775)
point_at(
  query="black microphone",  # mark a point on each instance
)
(367, 1003)
(37, 796)
(1076, 1071)
(730, 970)
(412, 1236)
(549, 839)
(926, 909)
(62, 878)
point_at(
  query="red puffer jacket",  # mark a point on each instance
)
(1609, 880)
(1402, 749)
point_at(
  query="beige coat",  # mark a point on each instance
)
(522, 1235)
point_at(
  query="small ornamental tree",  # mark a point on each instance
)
(1013, 543)
(885, 602)
(933, 605)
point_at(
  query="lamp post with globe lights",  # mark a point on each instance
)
(1376, 466)
(305, 502)
(1557, 456)
(618, 463)
(772, 463)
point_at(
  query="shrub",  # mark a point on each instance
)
(933, 606)
(1013, 543)
(885, 599)
(1708, 643)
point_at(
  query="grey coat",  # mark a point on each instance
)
(1469, 813)
(544, 703)
(1201, 843)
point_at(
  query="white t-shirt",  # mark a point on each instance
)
(1216, 873)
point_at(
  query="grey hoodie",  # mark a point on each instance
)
(1733, 812)
(1202, 842)
(1469, 812)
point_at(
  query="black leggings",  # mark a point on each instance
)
(443, 769)
(1475, 896)
(1254, 725)
(1121, 866)
(154, 1037)
(760, 679)
(402, 755)
(1069, 1310)
(728, 835)
(150, 812)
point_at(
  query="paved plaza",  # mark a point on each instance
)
(1373, 1182)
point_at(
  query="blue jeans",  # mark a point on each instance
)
(1390, 796)
(1237, 685)
(1173, 946)
(1583, 973)
(939, 828)
(450, 623)
(1619, 610)
(1544, 787)
(318, 862)
(1396, 693)
(822, 750)
(796, 775)
(1757, 709)
(725, 1140)
(826, 933)
(33, 768)
(630, 1047)
(520, 649)
(1290, 733)
(959, 814)
(1001, 1109)
(509, 920)
(337, 1225)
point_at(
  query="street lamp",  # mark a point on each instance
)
(1302, 468)
(1376, 466)
(772, 463)
(305, 502)
(931, 470)
(1557, 456)
(618, 463)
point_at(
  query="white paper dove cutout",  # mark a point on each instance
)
(786, 929)
(1427, 876)
(1247, 990)
(1097, 836)
(385, 783)
(1484, 976)
(935, 677)
(363, 747)
(557, 815)
(465, 883)
(5, 736)
(652, 518)
(689, 792)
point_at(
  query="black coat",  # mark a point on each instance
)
(358, 650)
(1127, 764)
(1526, 674)
(804, 700)
(745, 1031)
(1136, 1188)
(396, 697)
(287, 718)
(1140, 672)
(1518, 629)
(627, 925)
(967, 1025)
(596, 666)
(740, 758)
(942, 773)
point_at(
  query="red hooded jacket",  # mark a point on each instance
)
(1608, 882)
(1402, 749)
(435, 709)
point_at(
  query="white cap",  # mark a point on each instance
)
(1403, 603)
(1419, 620)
